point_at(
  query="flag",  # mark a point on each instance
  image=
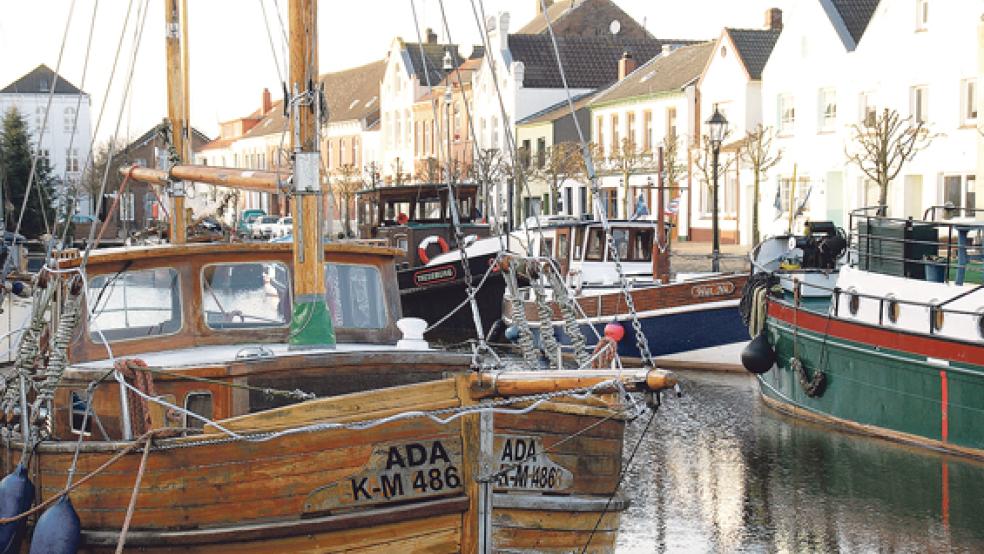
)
(641, 210)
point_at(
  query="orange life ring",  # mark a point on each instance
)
(422, 247)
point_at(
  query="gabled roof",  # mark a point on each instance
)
(855, 15)
(754, 48)
(433, 59)
(153, 131)
(588, 62)
(665, 73)
(38, 81)
(557, 111)
(585, 18)
(352, 94)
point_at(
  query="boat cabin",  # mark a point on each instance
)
(417, 218)
(580, 249)
(222, 312)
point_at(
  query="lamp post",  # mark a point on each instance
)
(717, 127)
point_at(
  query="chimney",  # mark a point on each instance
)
(539, 7)
(267, 102)
(773, 19)
(431, 36)
(626, 65)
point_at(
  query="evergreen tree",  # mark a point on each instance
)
(15, 168)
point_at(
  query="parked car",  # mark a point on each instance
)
(246, 221)
(265, 227)
(285, 226)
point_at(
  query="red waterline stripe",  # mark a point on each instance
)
(873, 336)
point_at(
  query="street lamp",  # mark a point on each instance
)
(717, 127)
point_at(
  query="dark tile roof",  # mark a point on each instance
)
(38, 81)
(754, 47)
(664, 73)
(585, 18)
(353, 94)
(557, 111)
(200, 137)
(856, 14)
(588, 62)
(433, 59)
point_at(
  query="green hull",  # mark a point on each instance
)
(877, 389)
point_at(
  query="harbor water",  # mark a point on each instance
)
(719, 471)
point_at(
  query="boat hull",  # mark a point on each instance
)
(913, 388)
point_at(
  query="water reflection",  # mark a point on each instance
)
(721, 472)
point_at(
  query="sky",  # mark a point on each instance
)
(231, 56)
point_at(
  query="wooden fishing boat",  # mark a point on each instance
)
(697, 311)
(893, 347)
(260, 398)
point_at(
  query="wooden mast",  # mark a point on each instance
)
(311, 324)
(177, 110)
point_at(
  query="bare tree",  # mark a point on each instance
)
(704, 158)
(347, 183)
(883, 144)
(555, 165)
(761, 155)
(490, 167)
(673, 170)
(628, 160)
(92, 177)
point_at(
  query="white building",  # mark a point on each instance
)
(67, 138)
(732, 83)
(647, 107)
(836, 65)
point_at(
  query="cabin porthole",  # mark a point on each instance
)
(892, 309)
(854, 302)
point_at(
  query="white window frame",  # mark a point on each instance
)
(72, 160)
(922, 15)
(967, 192)
(968, 102)
(69, 114)
(828, 109)
(787, 113)
(919, 103)
(785, 187)
(867, 112)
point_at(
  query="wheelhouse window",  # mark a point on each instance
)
(355, 296)
(246, 295)
(81, 424)
(135, 304)
(596, 245)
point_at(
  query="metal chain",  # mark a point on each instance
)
(641, 342)
(548, 342)
(571, 327)
(530, 356)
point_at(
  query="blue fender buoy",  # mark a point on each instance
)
(16, 497)
(58, 530)
(512, 333)
(758, 355)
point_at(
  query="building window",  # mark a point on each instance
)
(802, 193)
(72, 159)
(630, 133)
(526, 153)
(599, 140)
(671, 122)
(69, 120)
(611, 202)
(647, 130)
(583, 198)
(867, 111)
(616, 142)
(958, 192)
(495, 132)
(828, 109)
(126, 207)
(787, 113)
(922, 14)
(968, 101)
(45, 154)
(919, 100)
(39, 118)
(541, 152)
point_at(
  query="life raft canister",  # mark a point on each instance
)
(422, 247)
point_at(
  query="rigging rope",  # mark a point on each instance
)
(642, 343)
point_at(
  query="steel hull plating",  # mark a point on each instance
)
(909, 387)
(670, 332)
